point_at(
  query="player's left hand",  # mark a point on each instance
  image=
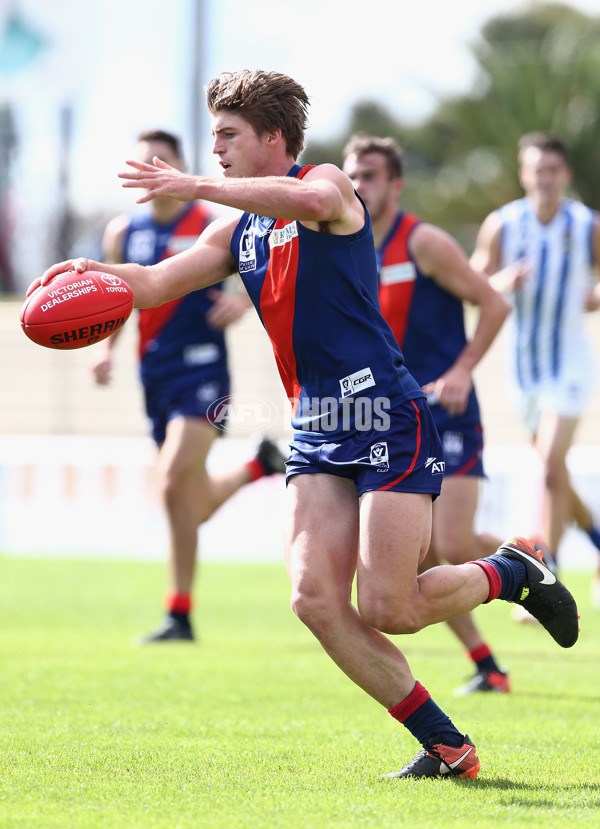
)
(227, 308)
(159, 179)
(451, 390)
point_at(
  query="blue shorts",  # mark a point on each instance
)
(193, 398)
(407, 457)
(462, 441)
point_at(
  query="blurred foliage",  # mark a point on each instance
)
(538, 69)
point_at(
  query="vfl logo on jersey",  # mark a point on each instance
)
(141, 246)
(392, 274)
(358, 381)
(379, 456)
(283, 235)
(453, 443)
(257, 227)
(247, 255)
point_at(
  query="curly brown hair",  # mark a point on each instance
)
(266, 100)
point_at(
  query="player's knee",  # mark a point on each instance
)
(555, 474)
(313, 606)
(459, 549)
(308, 607)
(388, 616)
(169, 488)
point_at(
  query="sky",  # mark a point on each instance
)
(126, 65)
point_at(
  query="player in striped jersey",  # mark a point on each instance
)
(543, 251)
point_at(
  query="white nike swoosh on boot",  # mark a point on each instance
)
(549, 578)
(450, 766)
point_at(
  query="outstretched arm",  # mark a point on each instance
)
(324, 195)
(207, 262)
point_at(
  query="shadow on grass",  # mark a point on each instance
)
(503, 784)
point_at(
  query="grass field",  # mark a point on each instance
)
(253, 726)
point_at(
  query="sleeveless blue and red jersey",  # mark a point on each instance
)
(316, 295)
(174, 338)
(427, 321)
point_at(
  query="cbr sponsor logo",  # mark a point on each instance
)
(242, 413)
(358, 381)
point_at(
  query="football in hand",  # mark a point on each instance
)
(76, 309)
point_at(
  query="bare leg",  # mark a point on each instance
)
(454, 541)
(393, 537)
(389, 595)
(189, 493)
(552, 441)
(580, 513)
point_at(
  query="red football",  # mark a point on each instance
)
(76, 309)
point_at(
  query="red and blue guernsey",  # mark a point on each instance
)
(427, 320)
(174, 338)
(316, 295)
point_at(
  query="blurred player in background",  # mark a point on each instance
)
(183, 369)
(543, 251)
(366, 460)
(424, 279)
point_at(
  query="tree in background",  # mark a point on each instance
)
(538, 70)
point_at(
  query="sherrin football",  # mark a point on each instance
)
(76, 309)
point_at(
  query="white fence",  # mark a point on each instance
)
(94, 497)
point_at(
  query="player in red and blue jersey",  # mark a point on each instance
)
(424, 281)
(365, 461)
(184, 370)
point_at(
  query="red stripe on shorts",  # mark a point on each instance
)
(415, 456)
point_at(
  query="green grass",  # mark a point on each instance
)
(254, 726)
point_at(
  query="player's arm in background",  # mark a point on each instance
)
(593, 298)
(228, 305)
(207, 262)
(113, 245)
(486, 258)
(441, 258)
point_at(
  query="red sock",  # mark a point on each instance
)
(480, 653)
(256, 470)
(178, 602)
(493, 578)
(409, 704)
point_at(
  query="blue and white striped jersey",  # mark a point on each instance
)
(548, 340)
